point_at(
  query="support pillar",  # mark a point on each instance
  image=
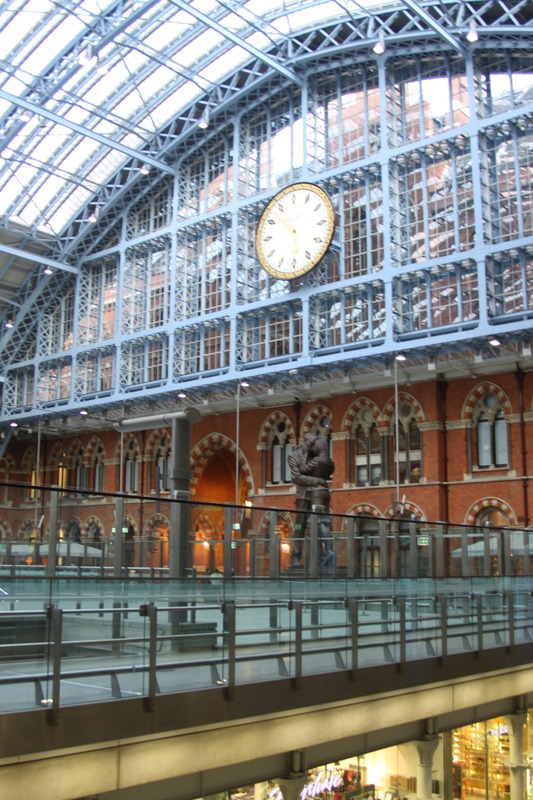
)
(425, 749)
(516, 764)
(291, 786)
(180, 485)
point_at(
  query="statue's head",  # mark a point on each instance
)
(321, 447)
(309, 441)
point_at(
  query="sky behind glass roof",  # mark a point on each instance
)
(149, 61)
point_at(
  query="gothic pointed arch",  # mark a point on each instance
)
(208, 447)
(405, 510)
(155, 524)
(357, 410)
(479, 392)
(403, 418)
(481, 512)
(95, 446)
(487, 411)
(318, 421)
(277, 438)
(271, 425)
(363, 433)
(128, 454)
(29, 458)
(408, 406)
(158, 453)
(93, 529)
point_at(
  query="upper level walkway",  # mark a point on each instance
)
(131, 667)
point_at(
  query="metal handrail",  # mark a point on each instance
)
(398, 636)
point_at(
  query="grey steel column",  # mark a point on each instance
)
(180, 489)
(350, 542)
(118, 561)
(228, 541)
(52, 539)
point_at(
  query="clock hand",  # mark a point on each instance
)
(284, 221)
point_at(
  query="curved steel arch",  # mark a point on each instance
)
(321, 45)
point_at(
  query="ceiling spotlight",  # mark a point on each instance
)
(401, 357)
(495, 342)
(83, 412)
(101, 68)
(182, 395)
(244, 384)
(379, 47)
(9, 324)
(472, 35)
(203, 122)
(93, 216)
(145, 169)
(48, 270)
(13, 424)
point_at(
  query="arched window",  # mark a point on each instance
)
(405, 454)
(367, 462)
(162, 466)
(491, 436)
(80, 472)
(99, 471)
(281, 448)
(365, 450)
(131, 469)
(62, 473)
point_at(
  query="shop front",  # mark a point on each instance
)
(475, 762)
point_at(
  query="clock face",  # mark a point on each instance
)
(295, 230)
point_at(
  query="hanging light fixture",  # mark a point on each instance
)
(203, 122)
(472, 35)
(379, 47)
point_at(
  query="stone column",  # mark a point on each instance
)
(290, 787)
(425, 749)
(516, 763)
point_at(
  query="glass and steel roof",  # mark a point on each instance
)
(86, 86)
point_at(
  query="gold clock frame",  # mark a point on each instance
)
(296, 273)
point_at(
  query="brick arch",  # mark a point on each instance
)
(56, 454)
(87, 525)
(313, 416)
(358, 509)
(72, 451)
(267, 428)
(92, 448)
(206, 449)
(479, 391)
(353, 410)
(408, 508)
(10, 461)
(284, 517)
(388, 411)
(490, 502)
(128, 437)
(29, 458)
(153, 523)
(73, 521)
(153, 440)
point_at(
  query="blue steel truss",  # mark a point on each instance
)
(111, 331)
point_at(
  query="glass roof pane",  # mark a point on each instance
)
(155, 67)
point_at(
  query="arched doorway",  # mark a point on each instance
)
(215, 487)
